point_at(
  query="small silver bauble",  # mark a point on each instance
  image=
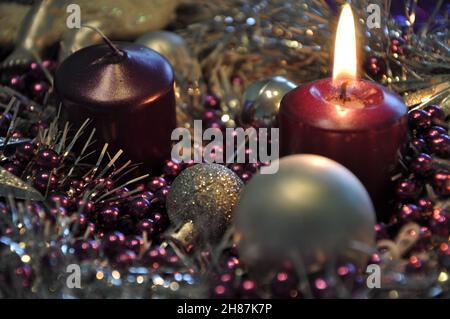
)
(312, 210)
(262, 101)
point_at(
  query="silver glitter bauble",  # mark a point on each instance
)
(312, 210)
(204, 195)
(262, 101)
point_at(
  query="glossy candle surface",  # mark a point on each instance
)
(364, 133)
(129, 97)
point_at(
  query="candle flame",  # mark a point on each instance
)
(344, 67)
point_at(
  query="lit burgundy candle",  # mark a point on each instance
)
(358, 123)
(128, 91)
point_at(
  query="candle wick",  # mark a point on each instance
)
(343, 91)
(112, 46)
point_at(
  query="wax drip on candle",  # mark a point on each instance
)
(111, 45)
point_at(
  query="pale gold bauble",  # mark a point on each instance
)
(169, 44)
(313, 211)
